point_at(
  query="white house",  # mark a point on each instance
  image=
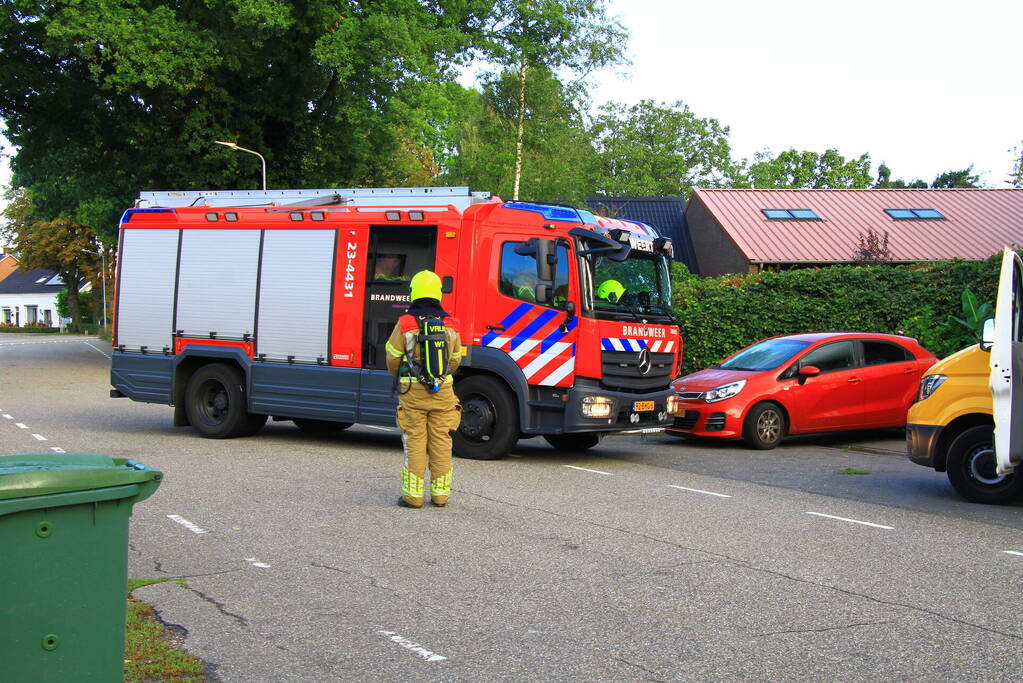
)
(30, 296)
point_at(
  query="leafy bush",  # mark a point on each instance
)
(720, 315)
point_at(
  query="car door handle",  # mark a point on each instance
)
(854, 380)
(497, 328)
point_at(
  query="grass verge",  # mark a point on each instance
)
(852, 470)
(150, 653)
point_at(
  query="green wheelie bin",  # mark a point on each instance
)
(64, 564)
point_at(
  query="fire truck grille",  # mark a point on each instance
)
(622, 370)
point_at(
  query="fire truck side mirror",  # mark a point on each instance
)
(447, 284)
(546, 260)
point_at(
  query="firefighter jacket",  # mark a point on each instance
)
(402, 342)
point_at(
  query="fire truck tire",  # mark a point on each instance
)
(320, 426)
(490, 419)
(215, 403)
(573, 442)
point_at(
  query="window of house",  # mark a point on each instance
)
(791, 214)
(518, 275)
(48, 317)
(31, 314)
(914, 214)
(6, 315)
(879, 353)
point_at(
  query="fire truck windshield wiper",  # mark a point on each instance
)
(665, 310)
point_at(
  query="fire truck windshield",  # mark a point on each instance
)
(626, 290)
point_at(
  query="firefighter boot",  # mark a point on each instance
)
(412, 423)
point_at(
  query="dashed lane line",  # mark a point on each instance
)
(412, 647)
(21, 425)
(854, 521)
(709, 493)
(96, 350)
(194, 528)
(8, 417)
(1012, 552)
(256, 563)
(57, 449)
(39, 437)
(583, 469)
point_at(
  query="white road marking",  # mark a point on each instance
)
(382, 429)
(583, 469)
(854, 521)
(188, 525)
(1012, 552)
(39, 437)
(57, 449)
(709, 493)
(413, 647)
(8, 417)
(256, 563)
(20, 425)
(95, 349)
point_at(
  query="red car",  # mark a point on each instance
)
(826, 381)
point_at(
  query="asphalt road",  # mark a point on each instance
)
(645, 559)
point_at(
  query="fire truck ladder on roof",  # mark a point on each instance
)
(460, 197)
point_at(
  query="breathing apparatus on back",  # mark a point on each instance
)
(432, 365)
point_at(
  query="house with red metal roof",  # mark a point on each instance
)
(749, 230)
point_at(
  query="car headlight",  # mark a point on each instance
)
(928, 385)
(597, 406)
(724, 391)
(672, 404)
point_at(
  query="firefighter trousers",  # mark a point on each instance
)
(426, 420)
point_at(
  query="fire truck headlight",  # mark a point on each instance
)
(597, 406)
(672, 404)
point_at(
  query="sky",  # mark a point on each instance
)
(925, 86)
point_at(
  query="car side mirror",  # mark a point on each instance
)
(987, 336)
(808, 371)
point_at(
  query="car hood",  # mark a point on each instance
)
(710, 378)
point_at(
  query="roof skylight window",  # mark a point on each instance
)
(914, 214)
(791, 214)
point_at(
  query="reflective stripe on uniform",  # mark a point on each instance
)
(411, 484)
(441, 486)
(392, 351)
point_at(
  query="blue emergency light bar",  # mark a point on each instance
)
(126, 216)
(555, 213)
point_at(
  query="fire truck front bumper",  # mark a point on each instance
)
(592, 408)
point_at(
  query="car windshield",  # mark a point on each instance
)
(767, 355)
(625, 289)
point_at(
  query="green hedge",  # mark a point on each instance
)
(31, 329)
(720, 315)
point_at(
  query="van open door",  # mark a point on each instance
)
(1007, 364)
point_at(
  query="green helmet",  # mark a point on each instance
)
(425, 285)
(610, 290)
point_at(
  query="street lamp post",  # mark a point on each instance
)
(233, 145)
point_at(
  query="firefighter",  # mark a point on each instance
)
(423, 351)
(610, 290)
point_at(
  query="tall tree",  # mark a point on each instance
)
(1016, 176)
(104, 98)
(962, 178)
(659, 149)
(571, 35)
(555, 142)
(809, 170)
(884, 180)
(62, 245)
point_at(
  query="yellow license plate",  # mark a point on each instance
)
(641, 406)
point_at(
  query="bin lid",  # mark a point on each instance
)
(41, 474)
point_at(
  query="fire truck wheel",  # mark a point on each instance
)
(320, 426)
(215, 403)
(573, 442)
(490, 419)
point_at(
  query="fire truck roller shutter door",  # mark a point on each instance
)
(294, 294)
(145, 299)
(217, 283)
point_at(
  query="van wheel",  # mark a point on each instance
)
(490, 419)
(764, 426)
(320, 426)
(215, 403)
(971, 469)
(574, 442)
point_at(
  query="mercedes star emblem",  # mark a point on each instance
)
(644, 361)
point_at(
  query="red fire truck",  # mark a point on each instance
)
(236, 306)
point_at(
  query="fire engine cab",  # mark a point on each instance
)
(236, 306)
